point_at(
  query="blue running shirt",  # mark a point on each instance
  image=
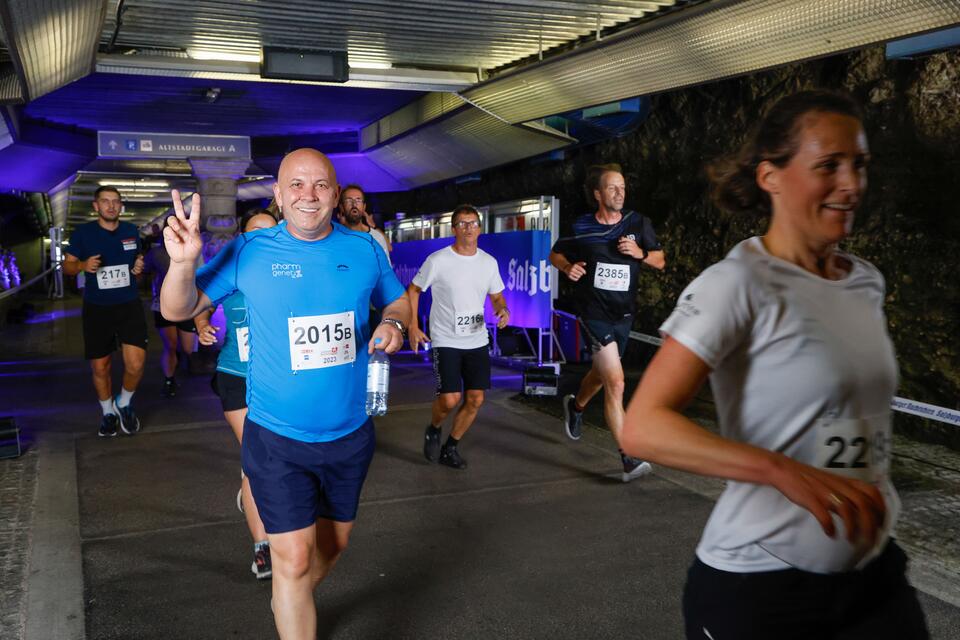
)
(118, 251)
(235, 353)
(308, 305)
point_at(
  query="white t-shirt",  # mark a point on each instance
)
(801, 365)
(460, 287)
(382, 241)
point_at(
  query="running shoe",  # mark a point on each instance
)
(431, 443)
(572, 419)
(109, 425)
(634, 468)
(262, 567)
(169, 388)
(450, 457)
(129, 422)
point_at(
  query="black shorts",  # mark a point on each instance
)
(600, 333)
(107, 325)
(160, 322)
(231, 389)
(876, 603)
(451, 365)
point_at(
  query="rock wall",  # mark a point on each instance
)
(909, 224)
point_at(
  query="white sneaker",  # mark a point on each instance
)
(633, 468)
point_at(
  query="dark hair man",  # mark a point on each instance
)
(603, 257)
(108, 251)
(462, 276)
(353, 215)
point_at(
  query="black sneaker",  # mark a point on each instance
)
(169, 388)
(451, 457)
(262, 567)
(572, 419)
(634, 468)
(431, 443)
(129, 422)
(109, 425)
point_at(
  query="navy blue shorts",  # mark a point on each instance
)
(294, 483)
(600, 333)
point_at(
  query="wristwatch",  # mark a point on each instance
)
(396, 323)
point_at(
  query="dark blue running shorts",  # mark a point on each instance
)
(600, 333)
(295, 482)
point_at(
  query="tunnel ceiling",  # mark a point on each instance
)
(455, 67)
(467, 34)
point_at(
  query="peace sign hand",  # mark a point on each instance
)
(182, 236)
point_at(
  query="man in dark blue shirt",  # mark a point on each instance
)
(603, 258)
(108, 252)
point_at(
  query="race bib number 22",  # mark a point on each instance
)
(321, 341)
(469, 323)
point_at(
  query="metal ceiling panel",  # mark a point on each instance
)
(186, 67)
(430, 106)
(705, 43)
(51, 42)
(463, 142)
(11, 91)
(468, 34)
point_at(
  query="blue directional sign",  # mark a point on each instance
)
(128, 144)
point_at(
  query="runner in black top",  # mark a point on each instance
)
(603, 258)
(109, 253)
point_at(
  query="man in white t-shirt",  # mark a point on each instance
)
(462, 276)
(353, 212)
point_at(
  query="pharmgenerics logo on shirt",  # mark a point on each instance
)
(286, 270)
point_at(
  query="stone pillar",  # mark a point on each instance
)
(217, 186)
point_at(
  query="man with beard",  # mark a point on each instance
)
(353, 215)
(109, 253)
(602, 258)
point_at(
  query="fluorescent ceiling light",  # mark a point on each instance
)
(206, 54)
(133, 183)
(368, 64)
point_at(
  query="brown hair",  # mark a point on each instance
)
(253, 213)
(462, 209)
(106, 187)
(592, 181)
(355, 187)
(775, 139)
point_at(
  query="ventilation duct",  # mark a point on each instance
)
(462, 142)
(51, 42)
(705, 43)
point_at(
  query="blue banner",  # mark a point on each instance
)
(524, 267)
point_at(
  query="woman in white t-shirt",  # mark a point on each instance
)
(791, 332)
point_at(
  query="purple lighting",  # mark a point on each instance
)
(53, 316)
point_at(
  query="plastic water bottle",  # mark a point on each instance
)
(378, 381)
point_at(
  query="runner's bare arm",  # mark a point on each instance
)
(179, 297)
(415, 334)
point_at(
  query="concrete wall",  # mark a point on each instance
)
(909, 225)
